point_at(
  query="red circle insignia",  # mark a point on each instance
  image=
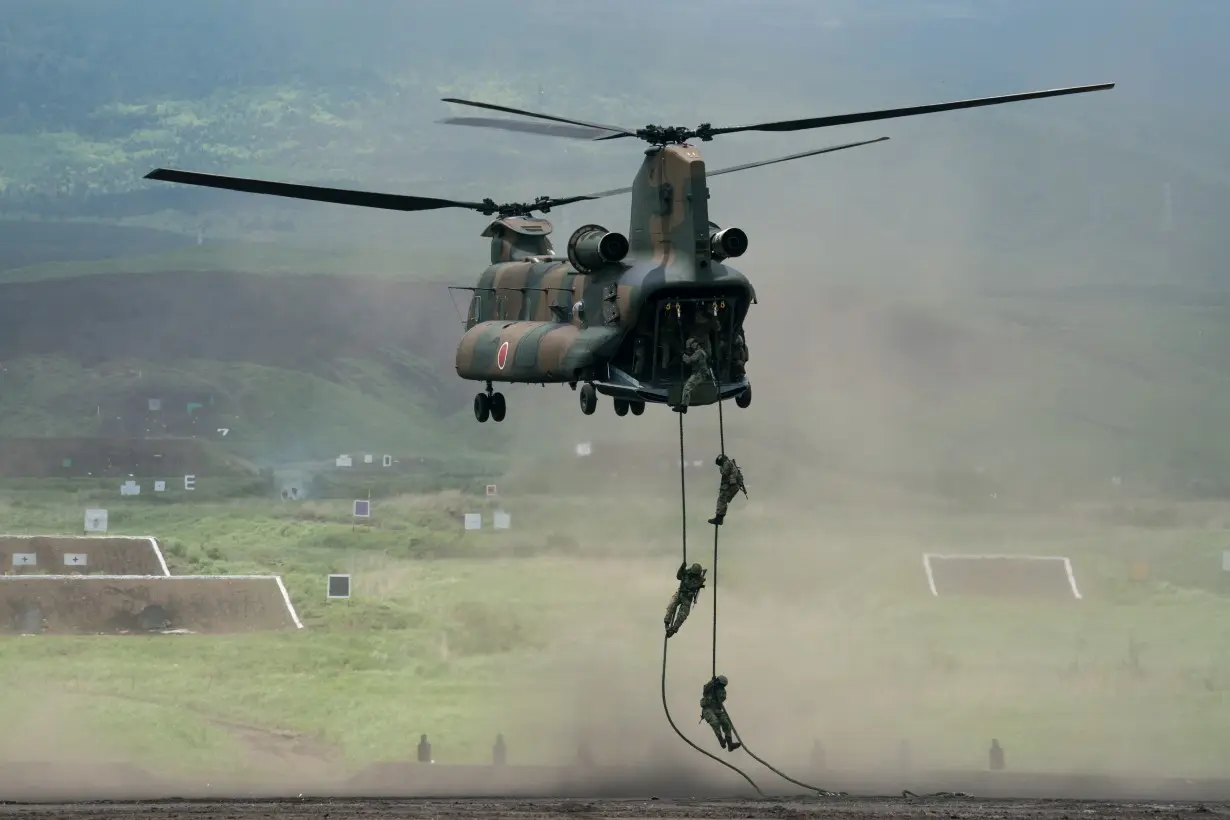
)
(502, 357)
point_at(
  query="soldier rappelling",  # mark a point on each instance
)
(731, 485)
(691, 582)
(713, 712)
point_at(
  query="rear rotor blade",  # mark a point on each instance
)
(567, 131)
(523, 113)
(812, 153)
(340, 196)
(745, 166)
(891, 113)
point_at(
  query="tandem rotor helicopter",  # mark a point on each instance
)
(613, 312)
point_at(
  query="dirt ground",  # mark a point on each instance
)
(61, 555)
(92, 605)
(547, 809)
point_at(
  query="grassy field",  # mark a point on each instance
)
(552, 629)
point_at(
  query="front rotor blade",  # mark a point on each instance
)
(537, 116)
(340, 196)
(891, 113)
(568, 131)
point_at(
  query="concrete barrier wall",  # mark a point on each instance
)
(113, 604)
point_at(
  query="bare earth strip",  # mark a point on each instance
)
(849, 808)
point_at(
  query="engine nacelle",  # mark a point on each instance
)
(592, 246)
(726, 243)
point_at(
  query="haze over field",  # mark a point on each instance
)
(995, 315)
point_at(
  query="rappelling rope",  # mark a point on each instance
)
(778, 772)
(666, 640)
(684, 737)
(751, 754)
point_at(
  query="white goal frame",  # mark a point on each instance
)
(1067, 565)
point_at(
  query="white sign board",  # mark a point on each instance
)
(189, 482)
(95, 520)
(502, 521)
(387, 461)
(24, 559)
(130, 488)
(584, 449)
(367, 459)
(362, 508)
(491, 490)
(160, 486)
(75, 559)
(474, 521)
(343, 461)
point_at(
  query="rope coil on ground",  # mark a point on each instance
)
(783, 775)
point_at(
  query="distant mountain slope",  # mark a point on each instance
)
(298, 366)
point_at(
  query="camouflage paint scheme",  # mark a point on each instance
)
(536, 319)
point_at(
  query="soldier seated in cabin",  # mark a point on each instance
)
(670, 344)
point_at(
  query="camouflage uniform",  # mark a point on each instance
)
(704, 328)
(738, 360)
(696, 359)
(668, 338)
(732, 483)
(691, 582)
(639, 358)
(713, 712)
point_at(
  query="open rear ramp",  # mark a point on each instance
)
(81, 554)
(124, 604)
(1038, 577)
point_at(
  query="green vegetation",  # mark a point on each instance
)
(460, 635)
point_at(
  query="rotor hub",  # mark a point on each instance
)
(660, 135)
(509, 209)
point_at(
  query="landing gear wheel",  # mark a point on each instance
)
(744, 398)
(589, 399)
(638, 407)
(482, 407)
(621, 407)
(497, 406)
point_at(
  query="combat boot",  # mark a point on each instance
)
(722, 741)
(731, 744)
(717, 520)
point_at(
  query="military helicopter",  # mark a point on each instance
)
(613, 313)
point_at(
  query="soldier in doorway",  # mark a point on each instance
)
(691, 582)
(669, 338)
(705, 328)
(698, 363)
(640, 355)
(738, 358)
(713, 712)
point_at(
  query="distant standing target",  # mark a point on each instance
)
(362, 508)
(95, 520)
(338, 586)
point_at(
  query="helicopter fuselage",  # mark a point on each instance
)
(621, 326)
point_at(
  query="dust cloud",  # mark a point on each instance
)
(875, 338)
